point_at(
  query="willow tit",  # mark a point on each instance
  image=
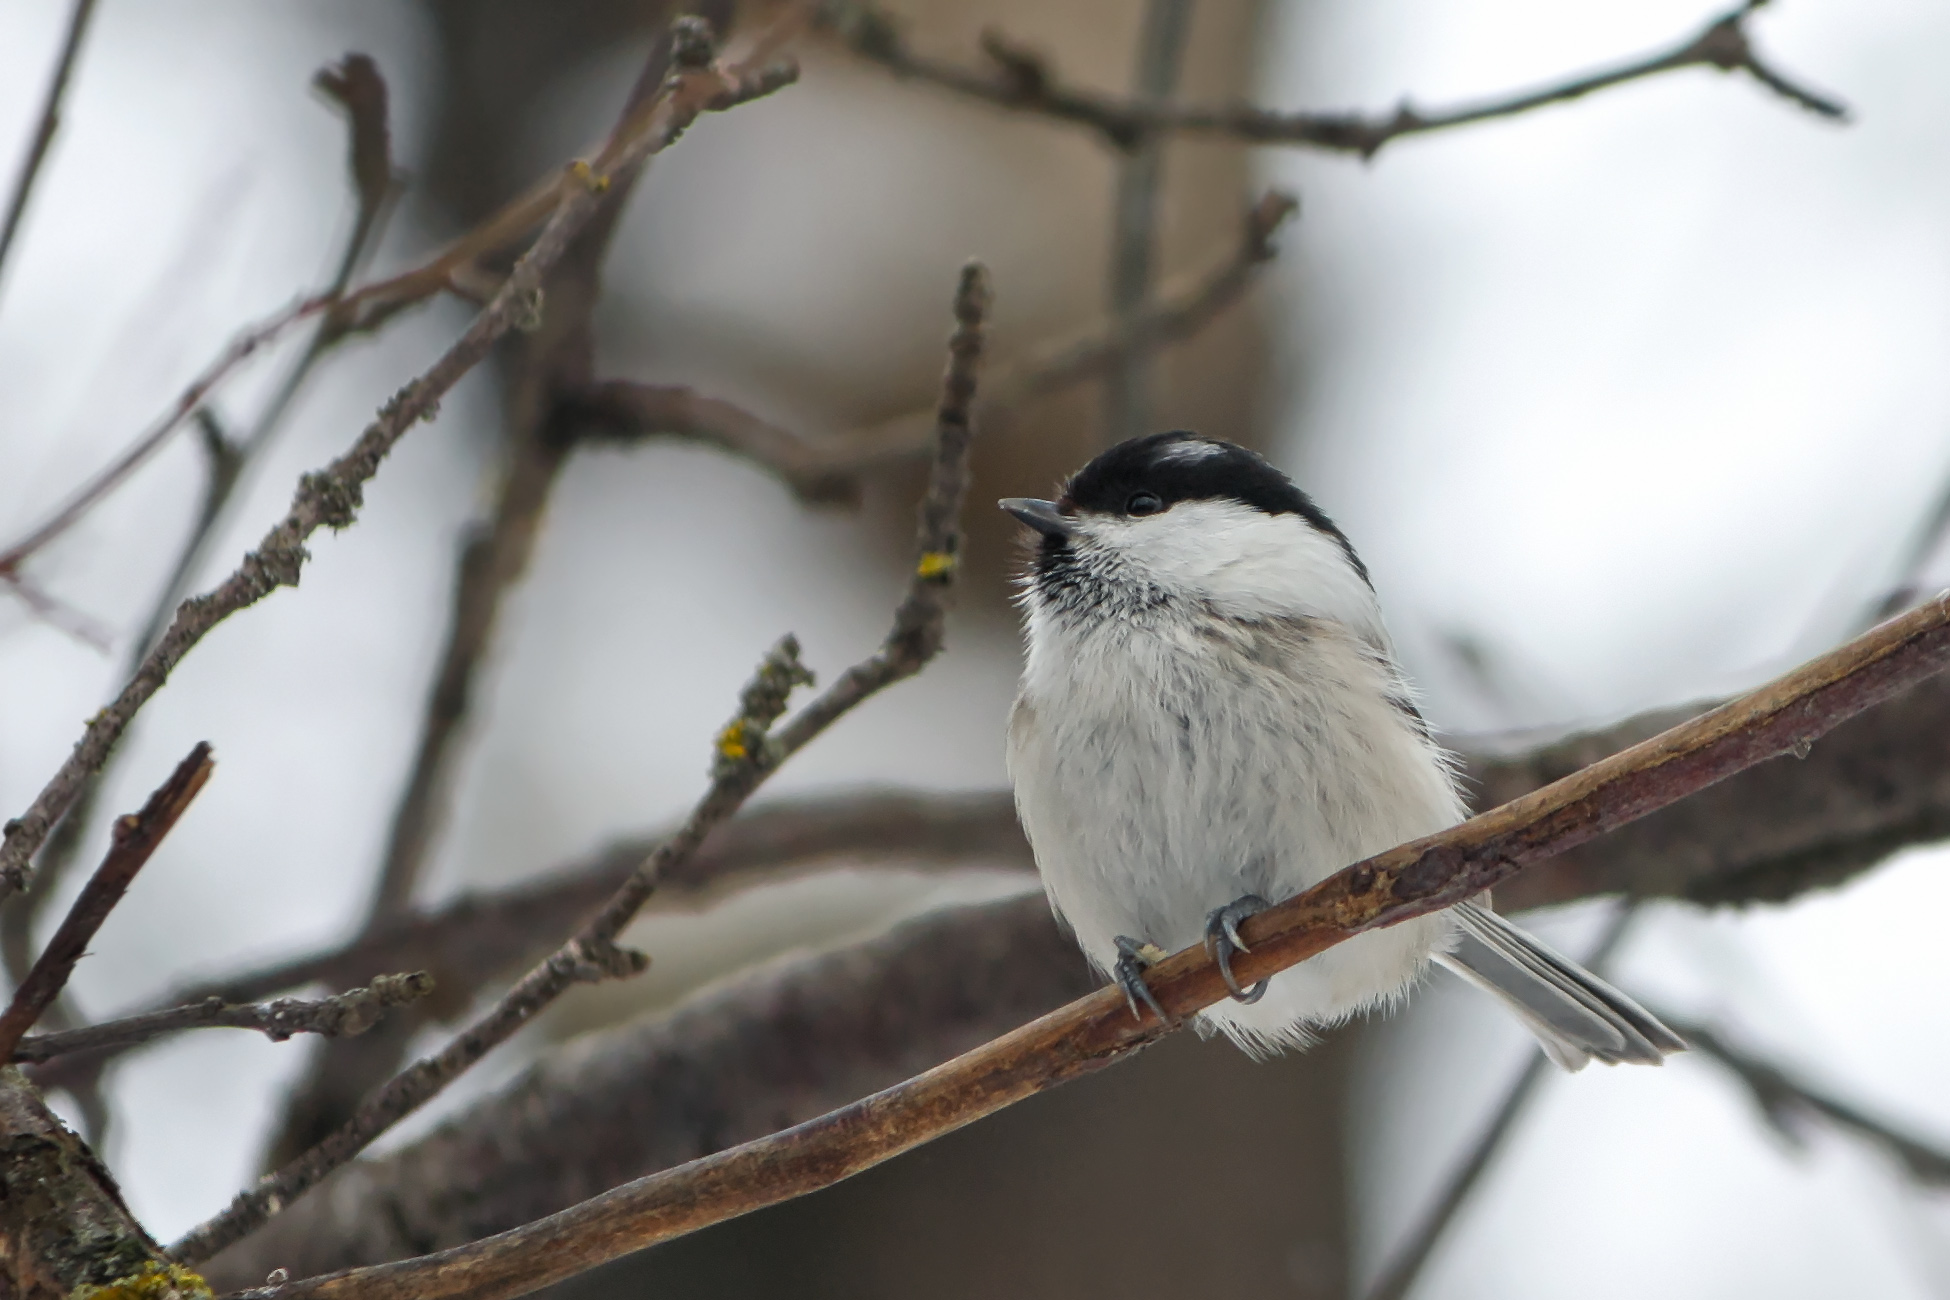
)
(1211, 717)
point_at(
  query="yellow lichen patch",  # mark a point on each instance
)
(731, 741)
(154, 1281)
(935, 564)
(589, 176)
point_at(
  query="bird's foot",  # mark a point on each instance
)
(1222, 940)
(1132, 958)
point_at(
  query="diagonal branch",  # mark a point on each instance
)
(137, 837)
(1022, 81)
(45, 125)
(1411, 880)
(356, 85)
(152, 439)
(748, 752)
(332, 496)
(776, 1045)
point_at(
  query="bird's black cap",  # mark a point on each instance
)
(1181, 466)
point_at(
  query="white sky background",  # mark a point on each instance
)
(1634, 394)
(1641, 396)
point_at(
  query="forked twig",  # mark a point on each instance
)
(137, 837)
(331, 497)
(749, 750)
(1021, 80)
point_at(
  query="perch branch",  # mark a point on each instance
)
(1410, 880)
(748, 752)
(332, 496)
(137, 837)
(45, 125)
(1021, 80)
(1874, 785)
(341, 1016)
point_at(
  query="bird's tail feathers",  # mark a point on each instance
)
(1576, 1016)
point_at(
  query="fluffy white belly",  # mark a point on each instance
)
(1161, 773)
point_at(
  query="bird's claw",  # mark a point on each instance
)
(1222, 940)
(1132, 958)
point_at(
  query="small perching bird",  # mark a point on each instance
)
(1211, 718)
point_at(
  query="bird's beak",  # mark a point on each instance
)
(1043, 516)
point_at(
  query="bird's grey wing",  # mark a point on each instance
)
(1575, 1015)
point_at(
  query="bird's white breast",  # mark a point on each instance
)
(1164, 765)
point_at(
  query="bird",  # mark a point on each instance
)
(1211, 718)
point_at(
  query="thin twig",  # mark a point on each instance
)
(779, 1043)
(331, 497)
(45, 126)
(136, 838)
(340, 1016)
(1021, 80)
(1785, 1102)
(151, 440)
(749, 750)
(1184, 306)
(1397, 1278)
(1411, 880)
(625, 412)
(557, 356)
(355, 84)
(1134, 218)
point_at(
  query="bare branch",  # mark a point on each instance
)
(332, 496)
(622, 411)
(748, 752)
(356, 85)
(45, 125)
(1786, 1102)
(1875, 784)
(1021, 80)
(1183, 307)
(778, 1045)
(540, 365)
(152, 439)
(1411, 880)
(137, 837)
(341, 1016)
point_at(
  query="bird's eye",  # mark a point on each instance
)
(1143, 503)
